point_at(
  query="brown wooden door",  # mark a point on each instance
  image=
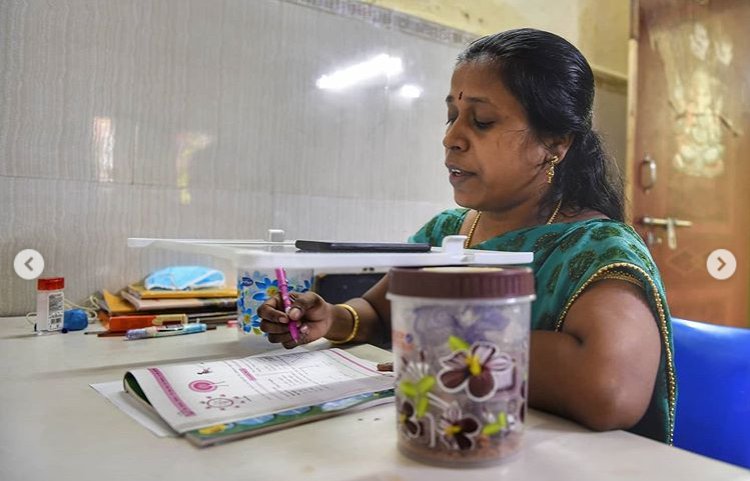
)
(689, 97)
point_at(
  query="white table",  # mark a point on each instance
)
(53, 426)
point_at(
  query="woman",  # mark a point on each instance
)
(531, 175)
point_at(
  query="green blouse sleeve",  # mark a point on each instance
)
(591, 251)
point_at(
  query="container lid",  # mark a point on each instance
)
(50, 283)
(461, 282)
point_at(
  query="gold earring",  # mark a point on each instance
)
(551, 171)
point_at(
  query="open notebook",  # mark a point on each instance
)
(217, 401)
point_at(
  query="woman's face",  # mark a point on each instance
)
(494, 160)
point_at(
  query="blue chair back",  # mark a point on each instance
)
(713, 382)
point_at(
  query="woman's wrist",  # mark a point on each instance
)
(345, 325)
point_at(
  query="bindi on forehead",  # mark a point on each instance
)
(460, 94)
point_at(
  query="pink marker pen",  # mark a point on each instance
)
(284, 290)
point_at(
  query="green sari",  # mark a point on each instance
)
(568, 257)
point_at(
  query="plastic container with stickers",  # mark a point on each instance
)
(461, 349)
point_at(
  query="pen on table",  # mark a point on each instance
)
(108, 333)
(154, 331)
(284, 290)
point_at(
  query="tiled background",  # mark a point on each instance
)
(197, 119)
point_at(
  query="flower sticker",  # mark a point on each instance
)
(407, 420)
(499, 424)
(267, 289)
(418, 391)
(256, 288)
(305, 286)
(416, 385)
(458, 431)
(480, 369)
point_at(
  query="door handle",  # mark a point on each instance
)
(670, 223)
(656, 221)
(648, 173)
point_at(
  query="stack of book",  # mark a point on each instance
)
(136, 307)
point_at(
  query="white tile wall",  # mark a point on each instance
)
(194, 118)
(351, 219)
(81, 230)
(201, 119)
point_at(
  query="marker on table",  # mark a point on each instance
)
(284, 290)
(154, 331)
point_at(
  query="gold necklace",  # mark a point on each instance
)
(473, 227)
(554, 213)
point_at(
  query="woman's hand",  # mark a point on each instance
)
(313, 313)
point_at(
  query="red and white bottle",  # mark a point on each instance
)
(50, 308)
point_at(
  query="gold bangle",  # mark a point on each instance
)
(355, 328)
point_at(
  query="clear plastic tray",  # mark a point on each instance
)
(259, 254)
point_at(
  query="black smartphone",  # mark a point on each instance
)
(335, 246)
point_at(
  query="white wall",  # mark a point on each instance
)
(201, 119)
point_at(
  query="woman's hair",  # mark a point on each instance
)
(554, 84)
